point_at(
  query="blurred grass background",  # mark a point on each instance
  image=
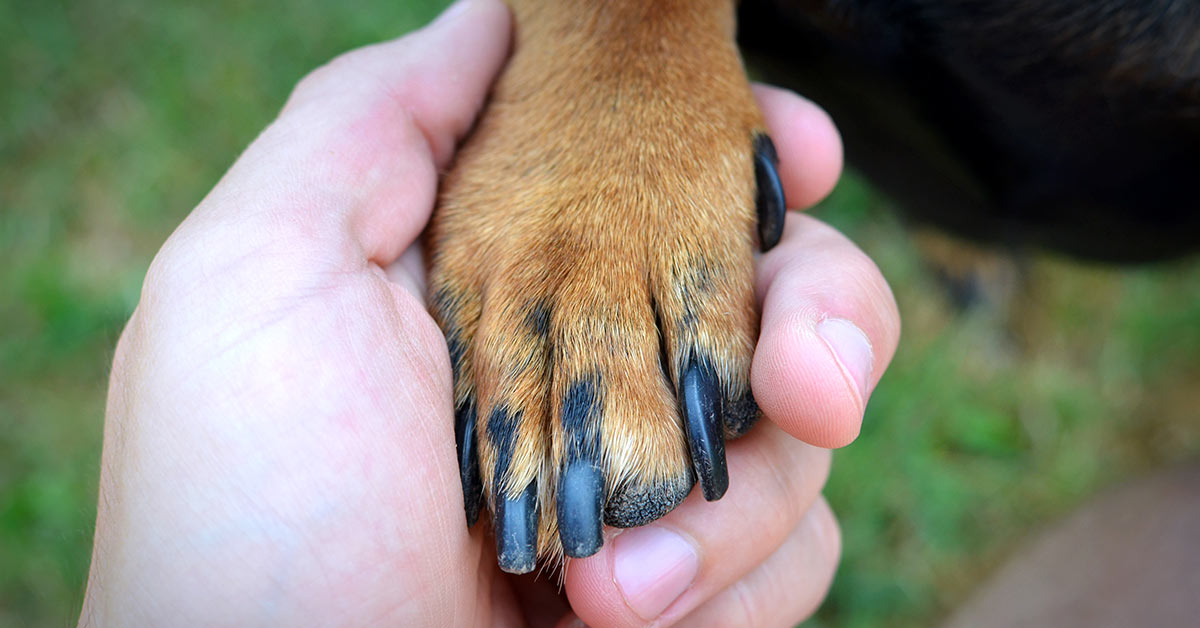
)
(117, 117)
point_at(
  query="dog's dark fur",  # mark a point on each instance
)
(1068, 124)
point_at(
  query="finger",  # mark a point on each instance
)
(809, 147)
(668, 568)
(358, 146)
(829, 328)
(788, 587)
(408, 271)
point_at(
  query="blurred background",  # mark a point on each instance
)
(117, 117)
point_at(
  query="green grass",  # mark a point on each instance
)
(118, 117)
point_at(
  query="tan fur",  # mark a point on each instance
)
(611, 173)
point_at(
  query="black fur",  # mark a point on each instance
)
(1069, 124)
(502, 430)
(581, 416)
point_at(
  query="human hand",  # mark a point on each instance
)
(279, 441)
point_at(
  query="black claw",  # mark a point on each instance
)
(771, 204)
(468, 460)
(516, 530)
(580, 501)
(702, 410)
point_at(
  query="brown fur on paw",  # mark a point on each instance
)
(591, 266)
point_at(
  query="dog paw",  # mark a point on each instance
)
(592, 269)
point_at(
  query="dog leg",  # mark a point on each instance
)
(592, 268)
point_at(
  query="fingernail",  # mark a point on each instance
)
(851, 348)
(653, 566)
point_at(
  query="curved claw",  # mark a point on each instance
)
(699, 393)
(468, 460)
(516, 530)
(580, 508)
(771, 204)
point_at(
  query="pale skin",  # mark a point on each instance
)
(279, 445)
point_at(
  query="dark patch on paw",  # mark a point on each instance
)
(442, 303)
(740, 415)
(537, 319)
(456, 349)
(502, 431)
(771, 205)
(637, 505)
(697, 277)
(468, 460)
(703, 410)
(581, 419)
(693, 283)
(516, 529)
(580, 501)
(444, 308)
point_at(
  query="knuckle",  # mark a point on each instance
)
(325, 79)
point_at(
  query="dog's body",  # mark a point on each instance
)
(1067, 124)
(602, 348)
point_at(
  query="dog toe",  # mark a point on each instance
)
(595, 286)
